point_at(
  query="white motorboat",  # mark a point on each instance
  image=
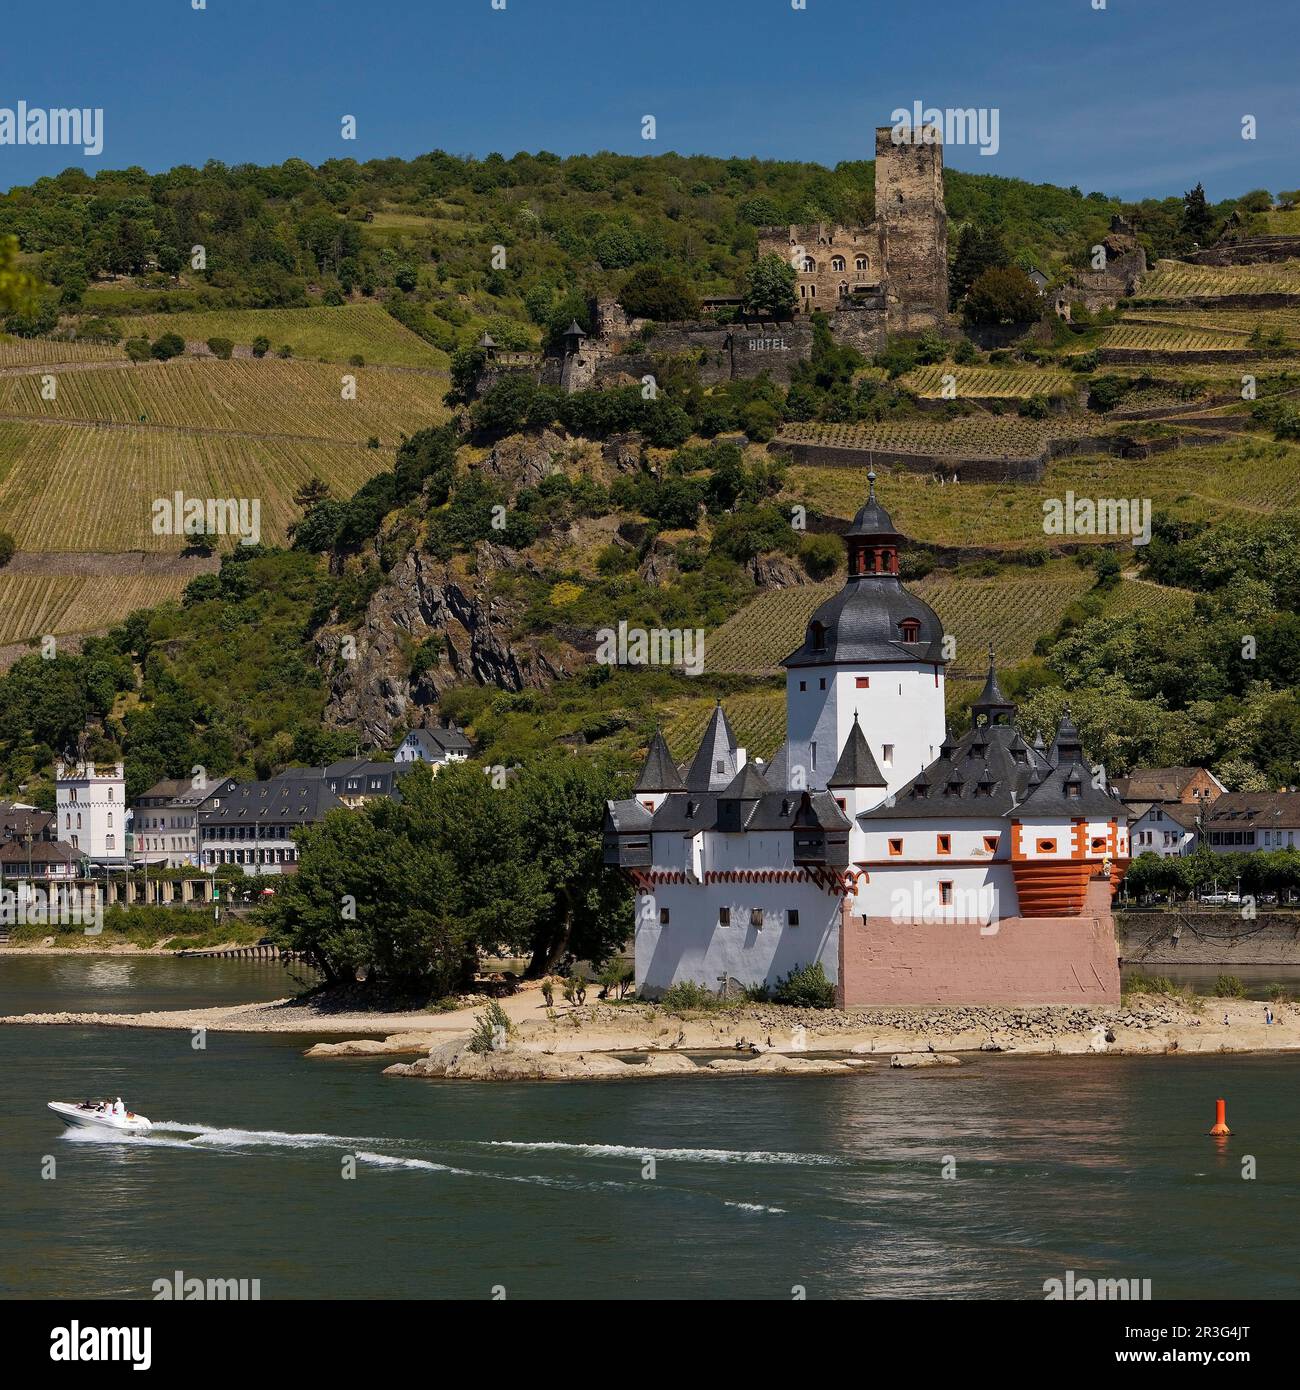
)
(100, 1115)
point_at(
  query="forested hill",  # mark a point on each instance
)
(418, 234)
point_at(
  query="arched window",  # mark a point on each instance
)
(844, 289)
(837, 262)
(860, 263)
(809, 263)
(817, 636)
(909, 630)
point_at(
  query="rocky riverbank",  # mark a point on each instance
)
(584, 1043)
(630, 1040)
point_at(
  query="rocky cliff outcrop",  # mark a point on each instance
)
(368, 664)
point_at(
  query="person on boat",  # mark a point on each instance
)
(118, 1107)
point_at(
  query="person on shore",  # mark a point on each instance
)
(1225, 1018)
(1268, 1015)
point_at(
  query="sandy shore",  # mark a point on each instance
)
(1141, 1025)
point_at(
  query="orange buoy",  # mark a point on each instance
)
(1220, 1118)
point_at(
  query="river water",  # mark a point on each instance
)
(325, 1179)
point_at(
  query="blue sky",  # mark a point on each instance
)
(1142, 97)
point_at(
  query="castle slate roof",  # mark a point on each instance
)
(625, 816)
(856, 767)
(872, 519)
(748, 784)
(777, 771)
(993, 772)
(686, 813)
(862, 624)
(659, 773)
(714, 764)
(1068, 790)
(986, 773)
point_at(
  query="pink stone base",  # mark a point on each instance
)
(1029, 960)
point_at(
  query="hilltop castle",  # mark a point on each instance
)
(896, 268)
(917, 868)
(883, 277)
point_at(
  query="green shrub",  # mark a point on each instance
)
(261, 345)
(137, 349)
(1230, 987)
(167, 346)
(222, 348)
(687, 995)
(491, 1027)
(820, 554)
(806, 988)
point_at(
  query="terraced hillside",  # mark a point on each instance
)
(319, 334)
(1180, 280)
(1011, 611)
(36, 352)
(90, 488)
(1250, 477)
(300, 399)
(969, 436)
(52, 604)
(945, 381)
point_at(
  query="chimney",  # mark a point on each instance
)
(740, 758)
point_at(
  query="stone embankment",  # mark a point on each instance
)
(1209, 937)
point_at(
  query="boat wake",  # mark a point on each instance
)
(197, 1137)
(223, 1135)
(685, 1155)
(121, 1136)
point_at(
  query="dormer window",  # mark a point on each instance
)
(817, 636)
(1073, 789)
(909, 630)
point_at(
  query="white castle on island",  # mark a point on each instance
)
(918, 869)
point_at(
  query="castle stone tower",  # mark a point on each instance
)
(913, 227)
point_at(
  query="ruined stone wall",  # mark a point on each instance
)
(719, 352)
(1258, 250)
(830, 261)
(913, 228)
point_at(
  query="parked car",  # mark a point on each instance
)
(1221, 899)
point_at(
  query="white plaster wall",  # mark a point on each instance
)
(693, 946)
(901, 709)
(920, 838)
(910, 893)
